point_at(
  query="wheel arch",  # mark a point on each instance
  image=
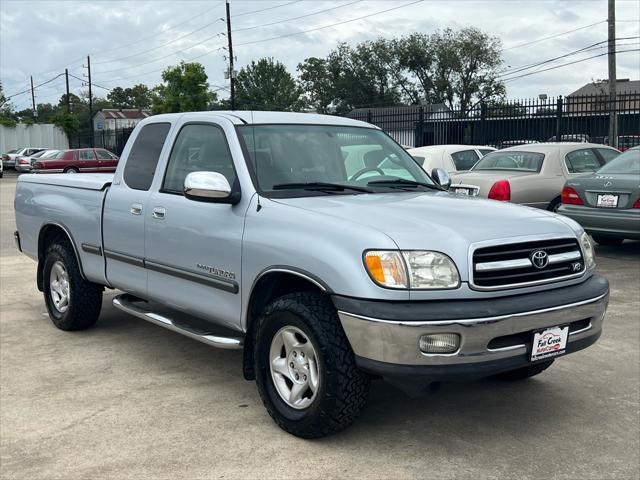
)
(271, 283)
(49, 233)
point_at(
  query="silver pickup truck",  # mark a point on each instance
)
(318, 246)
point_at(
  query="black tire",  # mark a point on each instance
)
(525, 372)
(600, 240)
(554, 205)
(71, 170)
(343, 388)
(85, 298)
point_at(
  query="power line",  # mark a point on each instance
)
(265, 9)
(552, 36)
(37, 86)
(570, 63)
(328, 26)
(92, 83)
(294, 18)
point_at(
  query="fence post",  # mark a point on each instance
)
(369, 116)
(483, 123)
(418, 135)
(559, 119)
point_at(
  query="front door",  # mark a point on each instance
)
(124, 211)
(192, 248)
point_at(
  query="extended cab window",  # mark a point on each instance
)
(198, 148)
(144, 155)
(465, 159)
(582, 161)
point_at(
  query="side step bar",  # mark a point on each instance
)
(136, 307)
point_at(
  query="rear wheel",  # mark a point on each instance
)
(305, 368)
(554, 205)
(525, 372)
(72, 302)
(600, 240)
(71, 170)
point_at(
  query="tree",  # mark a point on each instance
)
(185, 89)
(138, 96)
(316, 83)
(69, 122)
(267, 85)
(453, 66)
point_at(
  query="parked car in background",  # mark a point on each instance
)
(9, 158)
(24, 163)
(531, 175)
(625, 142)
(452, 158)
(607, 203)
(572, 137)
(94, 160)
(1, 170)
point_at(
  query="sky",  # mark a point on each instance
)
(131, 42)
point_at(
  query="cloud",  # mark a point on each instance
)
(41, 38)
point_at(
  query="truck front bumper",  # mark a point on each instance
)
(496, 335)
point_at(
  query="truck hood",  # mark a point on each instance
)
(485, 178)
(435, 220)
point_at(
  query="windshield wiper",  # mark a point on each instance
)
(326, 186)
(402, 183)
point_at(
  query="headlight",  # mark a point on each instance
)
(414, 269)
(587, 248)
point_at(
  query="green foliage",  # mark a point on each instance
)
(138, 96)
(185, 89)
(500, 108)
(69, 122)
(7, 121)
(267, 85)
(316, 83)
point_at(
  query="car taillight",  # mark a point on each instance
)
(637, 204)
(23, 161)
(501, 190)
(570, 197)
(6, 157)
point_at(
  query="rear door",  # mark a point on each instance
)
(88, 160)
(107, 161)
(124, 210)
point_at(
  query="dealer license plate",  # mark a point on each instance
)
(461, 191)
(549, 343)
(607, 200)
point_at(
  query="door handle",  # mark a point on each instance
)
(136, 209)
(158, 212)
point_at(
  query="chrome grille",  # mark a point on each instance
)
(512, 265)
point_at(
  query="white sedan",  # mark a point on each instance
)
(452, 158)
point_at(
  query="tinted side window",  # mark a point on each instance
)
(464, 160)
(87, 155)
(143, 157)
(607, 154)
(484, 151)
(582, 161)
(198, 148)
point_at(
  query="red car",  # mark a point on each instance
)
(95, 160)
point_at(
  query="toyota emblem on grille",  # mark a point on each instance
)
(540, 259)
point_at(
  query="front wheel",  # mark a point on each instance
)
(72, 302)
(600, 240)
(305, 368)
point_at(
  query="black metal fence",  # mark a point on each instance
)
(112, 140)
(513, 122)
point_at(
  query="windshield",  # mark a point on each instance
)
(625, 163)
(514, 160)
(300, 160)
(53, 154)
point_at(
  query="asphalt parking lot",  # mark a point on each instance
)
(128, 399)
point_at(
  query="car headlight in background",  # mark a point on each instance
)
(587, 248)
(413, 269)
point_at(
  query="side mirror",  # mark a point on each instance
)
(441, 177)
(208, 187)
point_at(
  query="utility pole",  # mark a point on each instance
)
(231, 72)
(66, 79)
(33, 99)
(613, 97)
(90, 100)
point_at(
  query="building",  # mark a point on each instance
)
(594, 97)
(112, 119)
